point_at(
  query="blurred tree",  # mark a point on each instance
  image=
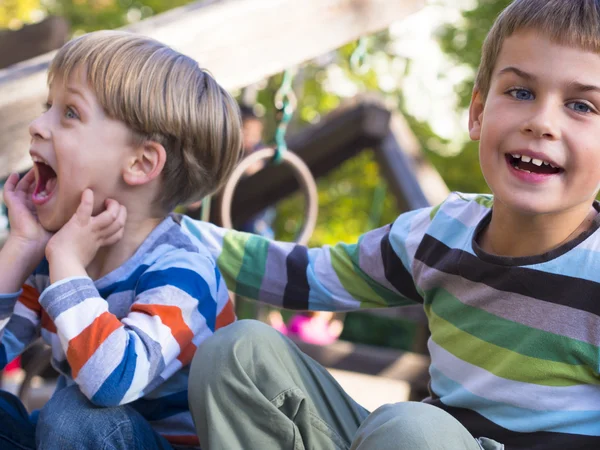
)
(91, 15)
(15, 13)
(462, 43)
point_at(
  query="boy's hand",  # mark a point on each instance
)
(78, 241)
(24, 225)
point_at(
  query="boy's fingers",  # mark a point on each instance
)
(27, 181)
(115, 225)
(108, 216)
(84, 211)
(11, 182)
(9, 188)
(111, 240)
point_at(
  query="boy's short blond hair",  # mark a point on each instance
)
(162, 96)
(575, 23)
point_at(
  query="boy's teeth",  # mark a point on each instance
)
(525, 158)
(537, 162)
(546, 163)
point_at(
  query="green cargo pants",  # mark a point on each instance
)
(251, 388)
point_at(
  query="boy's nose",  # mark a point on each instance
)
(38, 128)
(542, 124)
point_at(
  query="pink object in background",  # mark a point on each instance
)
(313, 330)
(13, 365)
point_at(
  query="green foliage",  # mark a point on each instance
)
(13, 13)
(86, 16)
(379, 331)
(345, 204)
(463, 42)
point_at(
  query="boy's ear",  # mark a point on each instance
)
(146, 163)
(476, 115)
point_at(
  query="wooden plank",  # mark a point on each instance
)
(323, 147)
(369, 391)
(239, 41)
(371, 360)
(32, 40)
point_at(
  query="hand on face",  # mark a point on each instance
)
(83, 235)
(24, 224)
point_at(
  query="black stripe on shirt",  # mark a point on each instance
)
(479, 426)
(396, 273)
(546, 286)
(296, 291)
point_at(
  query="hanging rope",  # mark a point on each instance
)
(285, 103)
(358, 57)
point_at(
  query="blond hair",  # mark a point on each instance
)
(574, 23)
(162, 96)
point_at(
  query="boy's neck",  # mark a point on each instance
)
(526, 235)
(110, 258)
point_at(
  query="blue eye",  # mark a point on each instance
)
(521, 94)
(70, 114)
(580, 107)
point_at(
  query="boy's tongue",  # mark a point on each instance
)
(46, 181)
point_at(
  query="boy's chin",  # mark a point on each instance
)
(51, 224)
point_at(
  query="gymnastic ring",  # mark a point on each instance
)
(302, 174)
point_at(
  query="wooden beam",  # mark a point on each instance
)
(239, 41)
(413, 180)
(32, 40)
(323, 147)
(371, 360)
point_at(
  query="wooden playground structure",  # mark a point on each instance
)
(245, 41)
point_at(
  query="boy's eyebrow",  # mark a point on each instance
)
(518, 72)
(580, 87)
(575, 85)
(75, 91)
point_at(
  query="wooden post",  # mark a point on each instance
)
(239, 41)
(32, 40)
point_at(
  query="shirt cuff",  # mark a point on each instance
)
(66, 293)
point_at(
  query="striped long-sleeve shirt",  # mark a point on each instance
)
(128, 337)
(514, 341)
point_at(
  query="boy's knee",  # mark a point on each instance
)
(233, 340)
(411, 425)
(230, 350)
(69, 421)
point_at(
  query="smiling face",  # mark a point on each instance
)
(540, 126)
(74, 146)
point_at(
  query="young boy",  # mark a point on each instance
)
(510, 283)
(121, 292)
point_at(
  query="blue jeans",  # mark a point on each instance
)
(69, 421)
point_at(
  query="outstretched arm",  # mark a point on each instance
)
(374, 272)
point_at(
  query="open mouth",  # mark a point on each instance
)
(532, 165)
(46, 181)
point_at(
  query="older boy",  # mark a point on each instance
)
(510, 283)
(121, 293)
